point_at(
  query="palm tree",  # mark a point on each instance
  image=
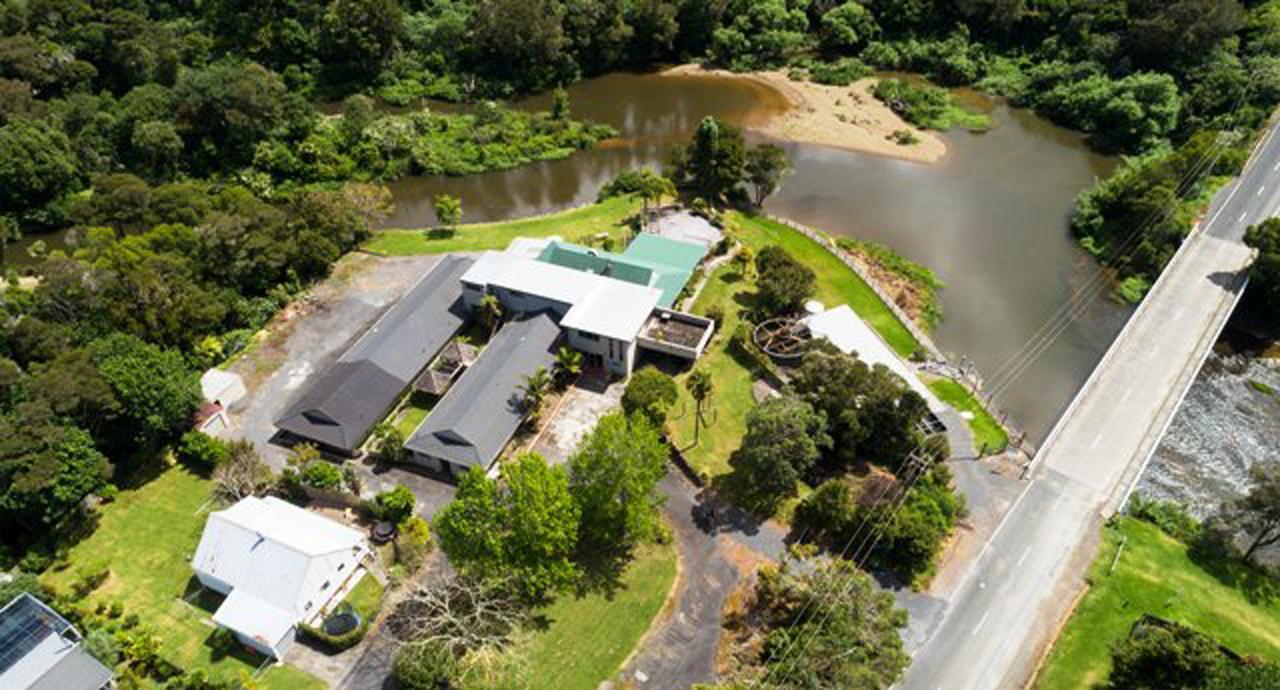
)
(534, 390)
(653, 187)
(491, 313)
(568, 365)
(699, 386)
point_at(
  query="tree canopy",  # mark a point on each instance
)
(523, 529)
(829, 627)
(613, 477)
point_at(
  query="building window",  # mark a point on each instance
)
(588, 336)
(515, 293)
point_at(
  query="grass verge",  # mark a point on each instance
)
(988, 436)
(729, 292)
(575, 225)
(587, 639)
(147, 537)
(837, 283)
(1156, 576)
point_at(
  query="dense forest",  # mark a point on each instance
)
(193, 148)
(229, 89)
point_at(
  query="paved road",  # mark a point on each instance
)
(1006, 611)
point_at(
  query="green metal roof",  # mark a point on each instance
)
(665, 251)
(597, 261)
(650, 260)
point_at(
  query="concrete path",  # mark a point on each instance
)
(1007, 611)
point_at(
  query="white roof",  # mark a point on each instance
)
(253, 617)
(272, 550)
(221, 386)
(564, 285)
(614, 309)
(851, 335)
(606, 306)
(529, 247)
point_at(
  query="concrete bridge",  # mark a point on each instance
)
(1020, 589)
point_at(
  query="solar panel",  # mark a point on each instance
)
(24, 624)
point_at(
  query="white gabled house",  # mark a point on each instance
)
(278, 565)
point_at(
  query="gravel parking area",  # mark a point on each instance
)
(309, 335)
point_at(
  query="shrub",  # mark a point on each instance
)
(783, 282)
(322, 475)
(394, 505)
(102, 646)
(413, 542)
(90, 579)
(650, 392)
(1170, 517)
(424, 666)
(337, 643)
(201, 450)
(839, 73)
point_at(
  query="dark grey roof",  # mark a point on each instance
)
(40, 650)
(340, 407)
(480, 414)
(76, 670)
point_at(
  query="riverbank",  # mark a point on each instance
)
(843, 117)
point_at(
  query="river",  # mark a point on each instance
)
(1229, 420)
(990, 219)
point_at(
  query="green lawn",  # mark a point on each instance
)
(574, 225)
(410, 416)
(731, 397)
(366, 597)
(1155, 576)
(147, 537)
(588, 638)
(731, 400)
(837, 283)
(987, 432)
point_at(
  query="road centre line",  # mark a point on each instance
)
(978, 627)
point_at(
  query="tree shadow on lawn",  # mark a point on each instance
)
(602, 570)
(1259, 587)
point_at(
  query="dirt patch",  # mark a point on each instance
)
(910, 297)
(844, 117)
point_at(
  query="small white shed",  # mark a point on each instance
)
(221, 387)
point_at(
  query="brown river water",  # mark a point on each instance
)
(990, 218)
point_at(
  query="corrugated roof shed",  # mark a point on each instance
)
(480, 414)
(272, 550)
(340, 407)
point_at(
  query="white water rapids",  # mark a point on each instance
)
(1222, 428)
